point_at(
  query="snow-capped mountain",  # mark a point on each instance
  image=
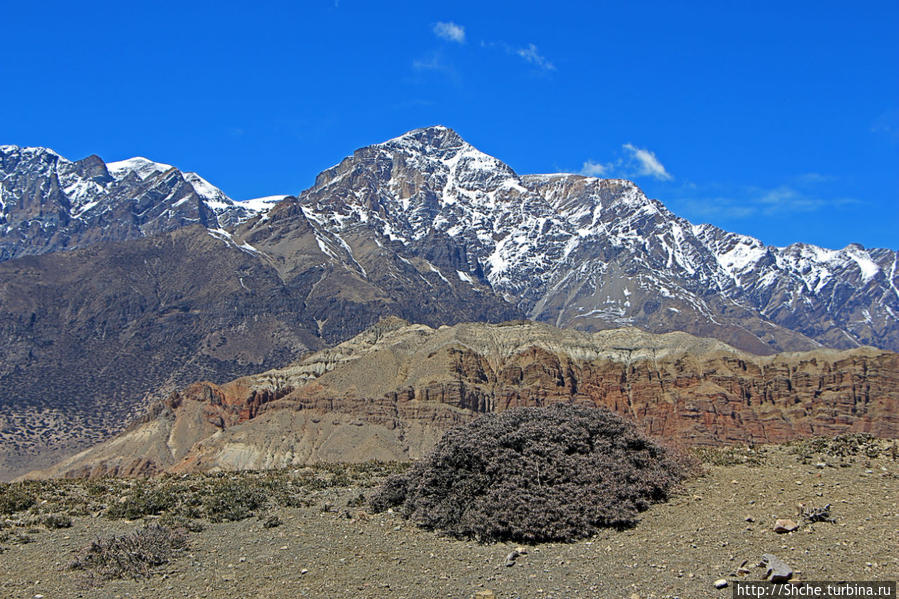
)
(49, 203)
(571, 250)
(597, 253)
(424, 227)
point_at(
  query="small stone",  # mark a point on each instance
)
(304, 571)
(820, 465)
(783, 525)
(776, 569)
(750, 519)
(485, 594)
(720, 583)
(510, 559)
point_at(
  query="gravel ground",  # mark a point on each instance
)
(679, 549)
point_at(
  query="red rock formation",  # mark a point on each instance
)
(408, 389)
(709, 400)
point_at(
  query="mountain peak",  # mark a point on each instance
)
(428, 138)
(142, 167)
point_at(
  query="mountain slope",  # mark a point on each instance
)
(571, 250)
(93, 336)
(391, 391)
(597, 253)
(48, 203)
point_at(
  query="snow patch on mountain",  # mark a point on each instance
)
(144, 168)
(552, 243)
(263, 204)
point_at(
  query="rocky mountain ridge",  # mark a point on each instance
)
(49, 203)
(597, 253)
(571, 250)
(391, 391)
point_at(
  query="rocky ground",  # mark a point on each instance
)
(327, 545)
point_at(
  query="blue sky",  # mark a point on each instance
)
(779, 120)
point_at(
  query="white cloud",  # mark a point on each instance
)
(450, 32)
(710, 201)
(534, 57)
(594, 169)
(648, 163)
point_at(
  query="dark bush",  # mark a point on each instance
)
(145, 499)
(14, 498)
(233, 500)
(131, 555)
(56, 521)
(534, 474)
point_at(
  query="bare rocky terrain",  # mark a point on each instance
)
(332, 547)
(392, 391)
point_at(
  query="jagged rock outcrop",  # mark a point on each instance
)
(391, 391)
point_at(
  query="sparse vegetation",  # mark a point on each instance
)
(727, 512)
(534, 474)
(844, 448)
(131, 555)
(145, 499)
(181, 501)
(14, 498)
(730, 456)
(232, 500)
(54, 521)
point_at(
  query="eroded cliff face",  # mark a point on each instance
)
(390, 392)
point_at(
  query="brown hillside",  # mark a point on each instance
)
(391, 391)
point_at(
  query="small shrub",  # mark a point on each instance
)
(180, 521)
(16, 537)
(272, 521)
(14, 498)
(233, 500)
(357, 501)
(730, 456)
(131, 555)
(147, 498)
(843, 446)
(534, 474)
(54, 521)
